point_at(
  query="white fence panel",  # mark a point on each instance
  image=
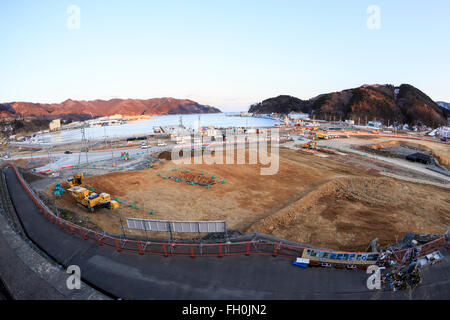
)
(176, 226)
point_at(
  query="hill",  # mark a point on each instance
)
(443, 104)
(96, 108)
(404, 104)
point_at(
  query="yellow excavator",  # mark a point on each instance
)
(77, 180)
(92, 200)
(310, 145)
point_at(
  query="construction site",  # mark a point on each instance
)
(339, 196)
(330, 191)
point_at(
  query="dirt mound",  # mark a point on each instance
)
(165, 155)
(352, 211)
(441, 154)
(195, 177)
(440, 151)
(117, 183)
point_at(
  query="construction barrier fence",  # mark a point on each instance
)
(196, 249)
(176, 226)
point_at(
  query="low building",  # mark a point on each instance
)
(351, 122)
(116, 116)
(297, 115)
(443, 132)
(55, 125)
(72, 125)
(374, 124)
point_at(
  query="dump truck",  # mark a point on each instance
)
(92, 200)
(77, 180)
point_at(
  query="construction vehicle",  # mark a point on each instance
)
(321, 135)
(77, 180)
(310, 145)
(92, 200)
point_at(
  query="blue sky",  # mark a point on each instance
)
(223, 53)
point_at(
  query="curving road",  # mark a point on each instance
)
(131, 276)
(345, 145)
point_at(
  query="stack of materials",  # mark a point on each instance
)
(402, 278)
(59, 190)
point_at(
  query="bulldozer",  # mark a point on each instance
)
(92, 200)
(77, 180)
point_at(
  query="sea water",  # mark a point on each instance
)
(142, 127)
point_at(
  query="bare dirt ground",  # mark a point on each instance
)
(440, 151)
(350, 211)
(30, 164)
(413, 170)
(312, 200)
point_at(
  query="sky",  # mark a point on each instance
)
(228, 54)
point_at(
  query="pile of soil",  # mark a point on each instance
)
(440, 151)
(195, 177)
(397, 150)
(347, 212)
(165, 155)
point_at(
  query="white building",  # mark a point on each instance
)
(55, 125)
(116, 116)
(298, 115)
(443, 132)
(72, 125)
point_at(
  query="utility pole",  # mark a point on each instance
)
(83, 140)
(106, 146)
(49, 154)
(112, 154)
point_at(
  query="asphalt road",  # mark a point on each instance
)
(4, 294)
(62, 160)
(131, 276)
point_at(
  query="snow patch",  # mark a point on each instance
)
(396, 91)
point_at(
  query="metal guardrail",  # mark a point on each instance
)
(196, 250)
